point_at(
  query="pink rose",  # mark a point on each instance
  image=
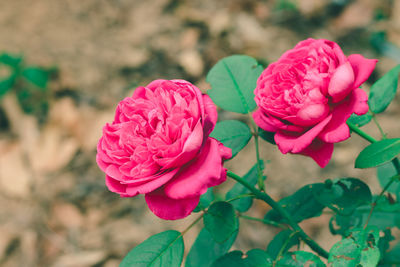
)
(307, 96)
(159, 145)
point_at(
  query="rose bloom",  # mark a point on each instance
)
(307, 96)
(159, 145)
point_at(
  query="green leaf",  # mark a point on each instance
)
(36, 76)
(392, 258)
(301, 205)
(384, 241)
(6, 85)
(378, 153)
(283, 241)
(360, 120)
(384, 173)
(233, 134)
(300, 259)
(253, 258)
(359, 248)
(163, 249)
(205, 250)
(244, 204)
(205, 200)
(385, 215)
(221, 221)
(383, 91)
(233, 80)
(267, 136)
(344, 195)
(10, 60)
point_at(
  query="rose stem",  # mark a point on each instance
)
(266, 198)
(192, 224)
(260, 181)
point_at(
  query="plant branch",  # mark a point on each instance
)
(192, 224)
(378, 126)
(276, 206)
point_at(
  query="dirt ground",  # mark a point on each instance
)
(54, 207)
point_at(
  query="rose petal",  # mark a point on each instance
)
(320, 152)
(189, 150)
(170, 209)
(152, 184)
(341, 82)
(115, 186)
(211, 115)
(335, 130)
(296, 143)
(362, 68)
(200, 174)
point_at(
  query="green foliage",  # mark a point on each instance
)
(233, 134)
(301, 205)
(300, 259)
(36, 76)
(392, 258)
(359, 248)
(233, 80)
(383, 91)
(221, 221)
(205, 250)
(360, 120)
(344, 195)
(385, 215)
(385, 173)
(253, 258)
(267, 136)
(205, 200)
(29, 83)
(163, 249)
(378, 153)
(244, 204)
(282, 242)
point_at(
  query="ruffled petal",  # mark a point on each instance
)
(337, 129)
(115, 186)
(362, 68)
(341, 82)
(132, 189)
(170, 209)
(295, 143)
(319, 151)
(210, 115)
(203, 172)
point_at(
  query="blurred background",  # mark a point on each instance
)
(64, 66)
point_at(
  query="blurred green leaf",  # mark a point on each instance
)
(233, 80)
(233, 134)
(300, 259)
(205, 250)
(384, 173)
(385, 215)
(244, 204)
(301, 205)
(6, 84)
(344, 195)
(358, 248)
(221, 221)
(163, 249)
(283, 241)
(383, 91)
(10, 60)
(36, 76)
(253, 258)
(378, 153)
